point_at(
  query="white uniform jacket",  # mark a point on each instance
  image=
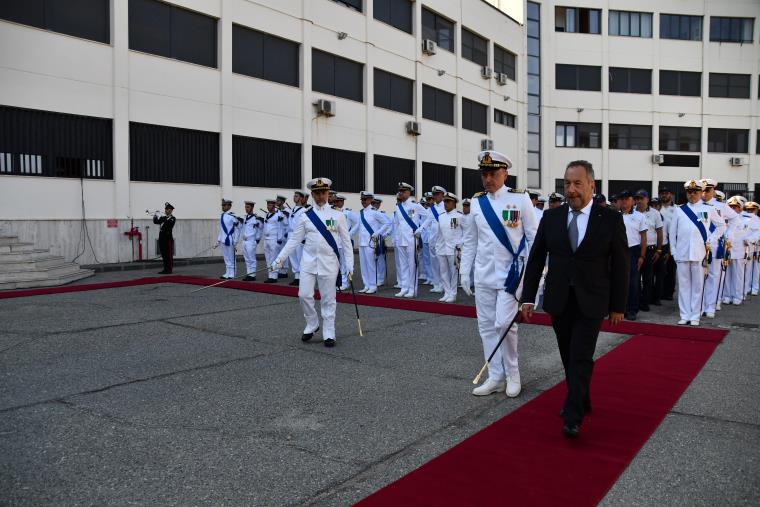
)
(686, 243)
(252, 229)
(379, 223)
(318, 258)
(273, 226)
(404, 233)
(725, 212)
(493, 261)
(738, 233)
(352, 221)
(232, 224)
(450, 233)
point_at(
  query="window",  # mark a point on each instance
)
(504, 62)
(577, 20)
(88, 19)
(474, 116)
(265, 163)
(44, 143)
(173, 155)
(353, 4)
(474, 48)
(438, 29)
(687, 84)
(393, 92)
(728, 141)
(437, 105)
(397, 13)
(733, 86)
(166, 30)
(630, 137)
(674, 26)
(389, 171)
(265, 56)
(731, 29)
(578, 77)
(438, 174)
(625, 80)
(504, 118)
(345, 168)
(680, 138)
(337, 76)
(630, 24)
(617, 186)
(579, 135)
(534, 94)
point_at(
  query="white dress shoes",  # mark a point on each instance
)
(683, 322)
(710, 315)
(694, 322)
(400, 293)
(371, 291)
(409, 294)
(364, 290)
(436, 289)
(513, 385)
(489, 387)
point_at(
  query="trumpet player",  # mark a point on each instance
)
(165, 237)
(372, 226)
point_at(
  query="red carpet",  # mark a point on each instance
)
(523, 459)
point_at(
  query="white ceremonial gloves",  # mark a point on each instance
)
(465, 283)
(276, 265)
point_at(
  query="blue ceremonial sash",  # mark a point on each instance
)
(323, 231)
(227, 233)
(700, 226)
(513, 277)
(435, 213)
(406, 217)
(365, 223)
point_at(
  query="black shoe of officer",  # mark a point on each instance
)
(571, 430)
(270, 280)
(308, 336)
(295, 282)
(164, 272)
(282, 275)
(249, 278)
(644, 308)
(630, 316)
(330, 342)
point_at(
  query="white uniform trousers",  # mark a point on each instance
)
(343, 270)
(756, 278)
(368, 265)
(271, 249)
(732, 290)
(425, 262)
(249, 254)
(406, 269)
(229, 260)
(295, 261)
(286, 264)
(434, 273)
(381, 268)
(711, 285)
(327, 303)
(496, 308)
(447, 269)
(750, 277)
(690, 282)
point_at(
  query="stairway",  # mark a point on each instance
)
(23, 266)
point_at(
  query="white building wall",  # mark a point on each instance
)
(55, 72)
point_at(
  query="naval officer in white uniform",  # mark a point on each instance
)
(229, 233)
(322, 229)
(501, 216)
(406, 220)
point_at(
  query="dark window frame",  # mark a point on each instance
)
(502, 63)
(725, 27)
(439, 96)
(394, 83)
(681, 27)
(60, 17)
(392, 18)
(729, 89)
(630, 22)
(504, 118)
(346, 168)
(354, 5)
(268, 64)
(622, 80)
(439, 174)
(474, 116)
(582, 20)
(683, 137)
(626, 136)
(582, 131)
(265, 163)
(389, 170)
(577, 73)
(336, 61)
(721, 140)
(680, 82)
(435, 32)
(469, 51)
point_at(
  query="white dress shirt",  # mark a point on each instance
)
(635, 224)
(581, 221)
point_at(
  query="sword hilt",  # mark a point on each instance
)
(476, 380)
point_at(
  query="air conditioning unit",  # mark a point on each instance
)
(736, 161)
(414, 128)
(501, 78)
(486, 72)
(429, 47)
(486, 144)
(325, 107)
(658, 159)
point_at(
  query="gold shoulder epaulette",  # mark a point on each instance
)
(478, 195)
(517, 190)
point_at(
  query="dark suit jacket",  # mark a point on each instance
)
(599, 268)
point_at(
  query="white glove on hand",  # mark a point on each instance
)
(418, 233)
(465, 283)
(276, 265)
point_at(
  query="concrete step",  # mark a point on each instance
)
(50, 282)
(49, 261)
(8, 240)
(40, 274)
(23, 256)
(22, 247)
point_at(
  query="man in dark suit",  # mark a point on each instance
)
(588, 273)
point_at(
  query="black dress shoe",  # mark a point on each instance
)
(270, 280)
(667, 298)
(249, 279)
(656, 303)
(223, 278)
(295, 282)
(644, 308)
(570, 430)
(164, 272)
(308, 336)
(280, 275)
(329, 342)
(630, 316)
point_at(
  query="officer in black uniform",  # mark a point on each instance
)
(165, 238)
